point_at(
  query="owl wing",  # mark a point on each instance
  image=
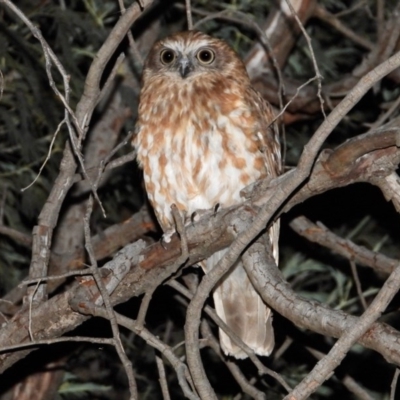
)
(236, 301)
(268, 133)
(269, 144)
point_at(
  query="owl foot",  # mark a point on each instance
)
(198, 214)
(178, 218)
(195, 217)
(166, 238)
(255, 187)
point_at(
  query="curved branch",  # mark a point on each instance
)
(317, 317)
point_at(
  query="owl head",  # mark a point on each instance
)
(191, 55)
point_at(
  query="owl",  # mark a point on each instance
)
(203, 134)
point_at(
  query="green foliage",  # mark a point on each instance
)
(70, 389)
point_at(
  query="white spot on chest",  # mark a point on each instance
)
(201, 152)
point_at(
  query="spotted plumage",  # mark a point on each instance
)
(203, 134)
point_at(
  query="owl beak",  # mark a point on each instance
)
(185, 67)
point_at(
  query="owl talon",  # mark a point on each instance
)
(196, 216)
(166, 238)
(247, 191)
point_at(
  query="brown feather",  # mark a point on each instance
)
(201, 138)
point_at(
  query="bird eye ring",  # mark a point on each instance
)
(205, 56)
(167, 56)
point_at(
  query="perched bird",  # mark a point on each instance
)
(203, 134)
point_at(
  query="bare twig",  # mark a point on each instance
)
(38, 343)
(106, 299)
(293, 98)
(313, 59)
(1, 84)
(105, 244)
(351, 10)
(132, 44)
(355, 388)
(47, 156)
(20, 237)
(30, 310)
(318, 233)
(81, 272)
(347, 381)
(163, 378)
(334, 21)
(189, 14)
(393, 385)
(118, 162)
(380, 18)
(281, 350)
(358, 284)
(110, 79)
(144, 307)
(382, 119)
(246, 386)
(3, 204)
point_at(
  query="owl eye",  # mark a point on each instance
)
(167, 56)
(205, 56)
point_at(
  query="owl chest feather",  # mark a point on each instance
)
(198, 153)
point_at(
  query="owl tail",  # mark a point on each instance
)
(239, 305)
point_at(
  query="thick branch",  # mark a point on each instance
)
(317, 317)
(152, 265)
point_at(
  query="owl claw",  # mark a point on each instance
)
(196, 216)
(166, 238)
(247, 191)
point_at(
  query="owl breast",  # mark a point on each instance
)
(200, 154)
